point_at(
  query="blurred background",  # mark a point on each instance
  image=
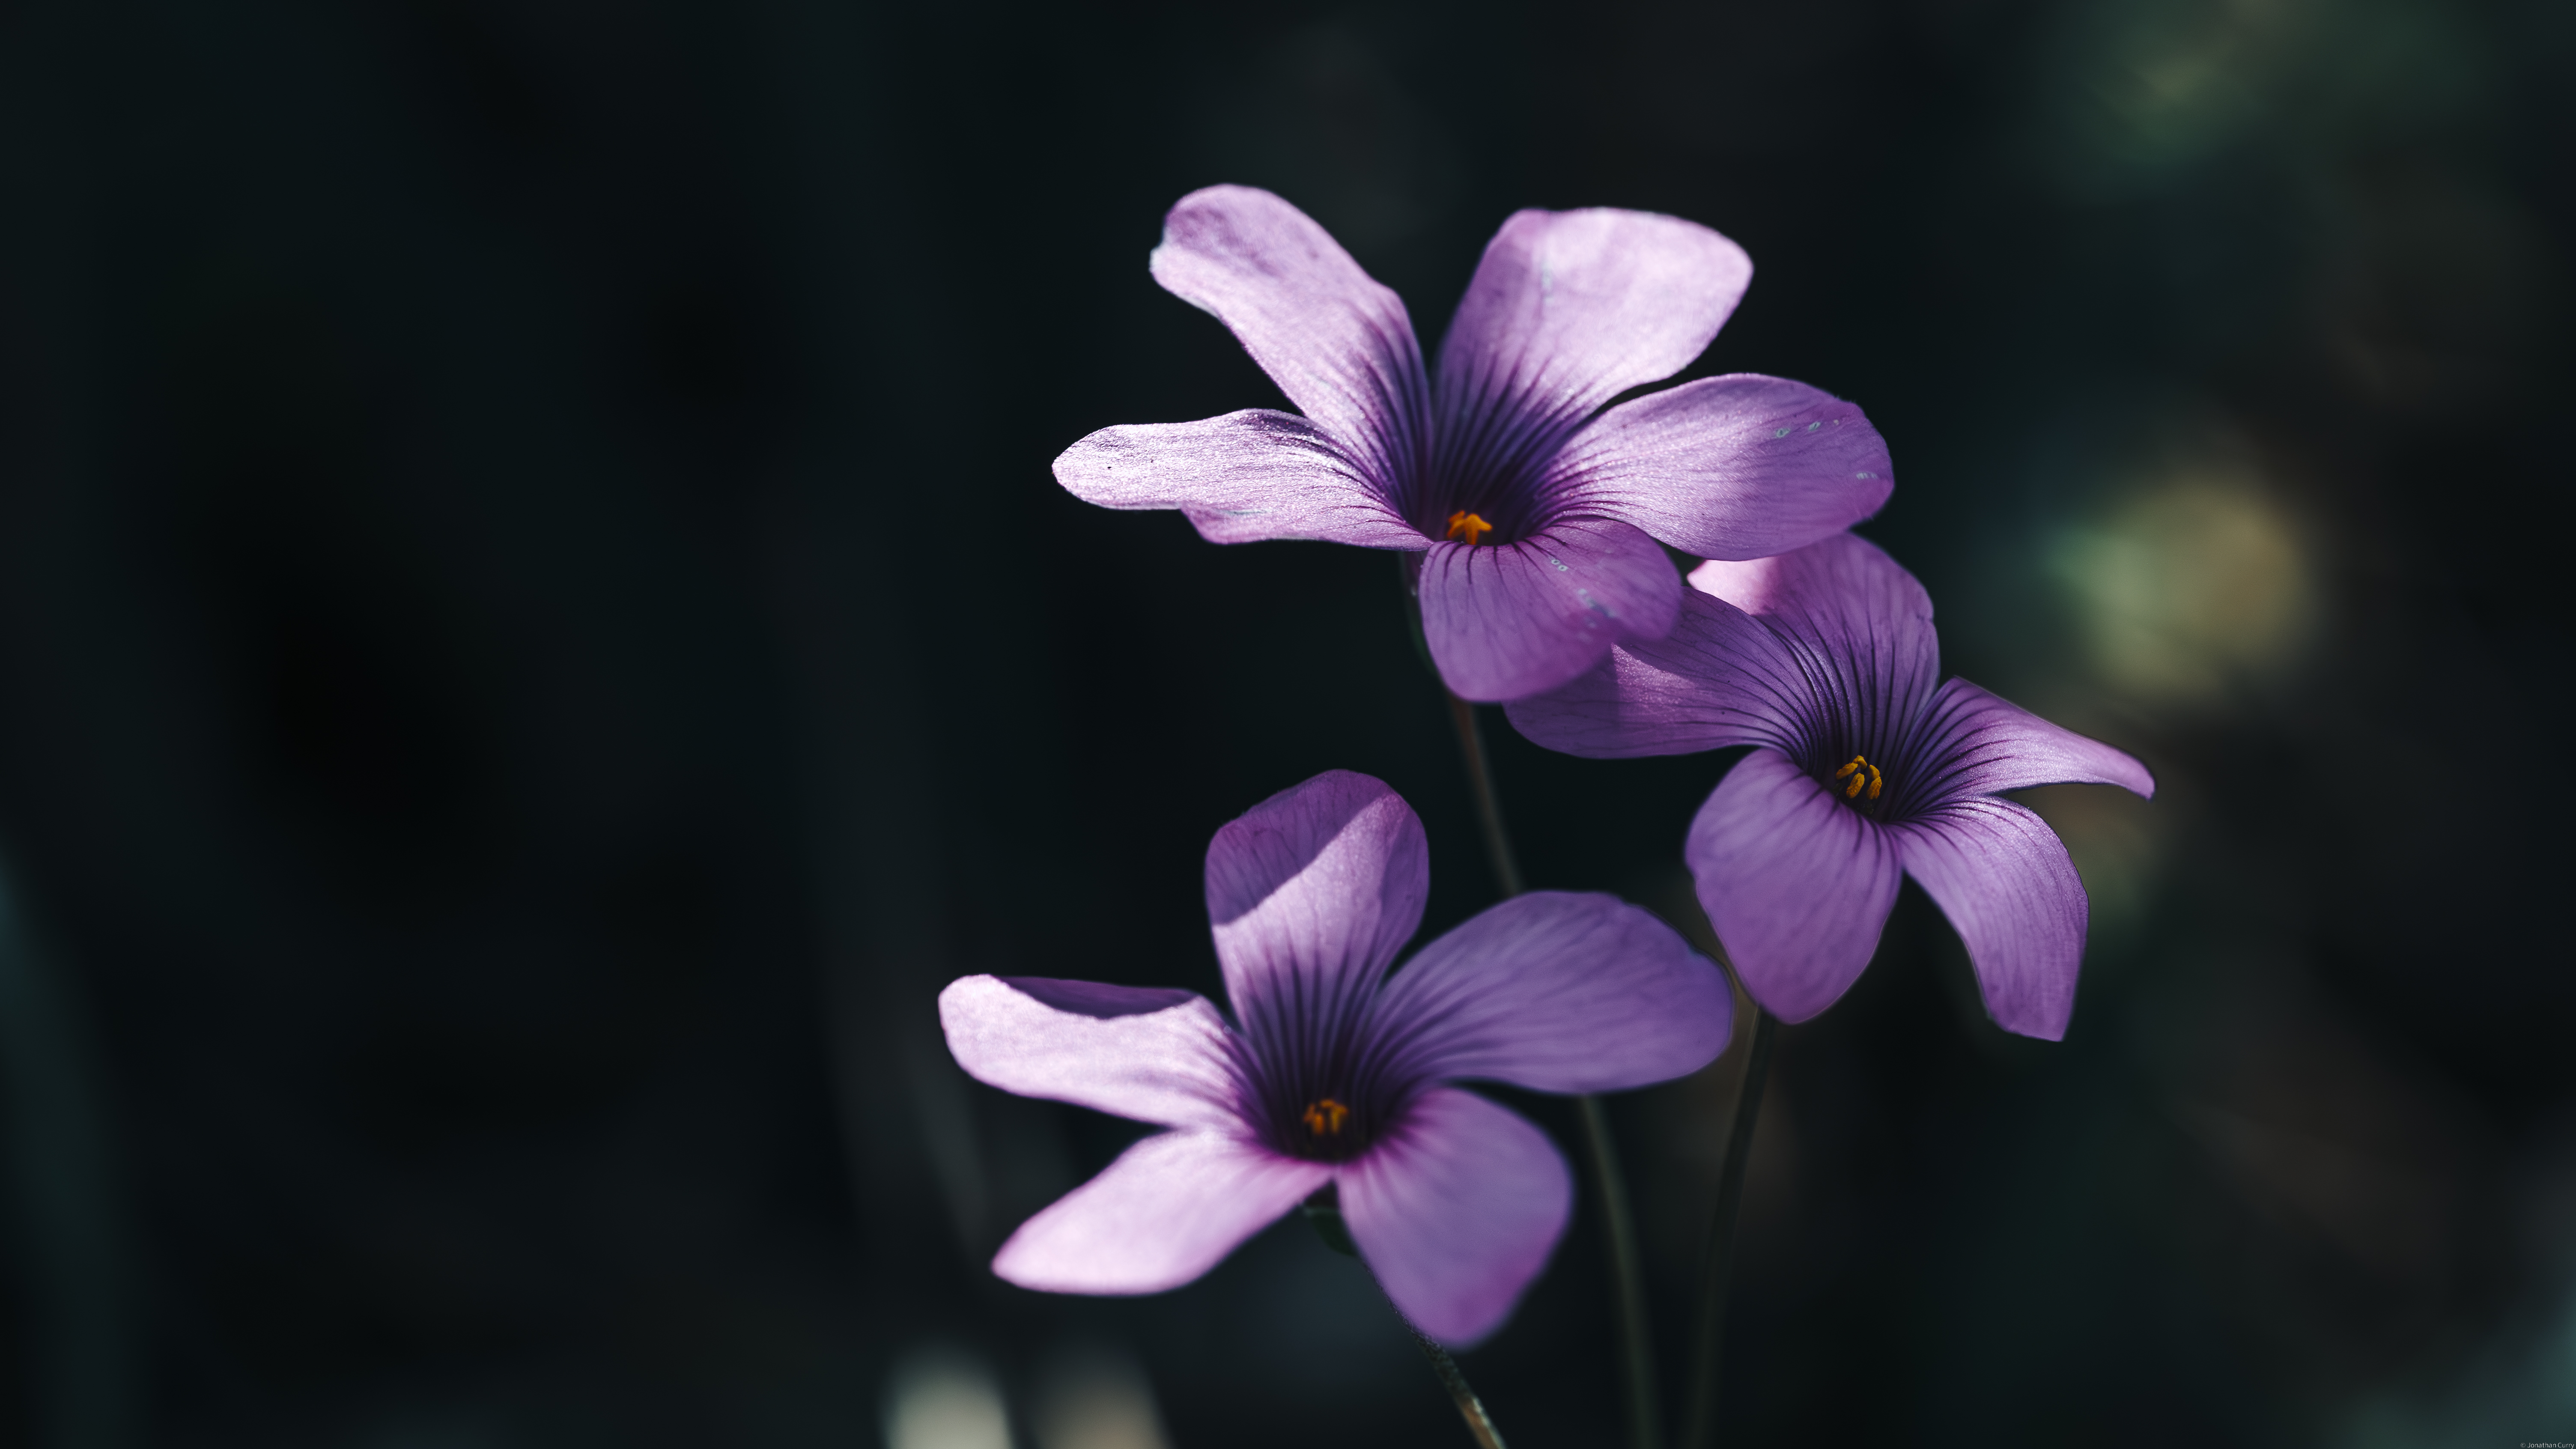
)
(536, 633)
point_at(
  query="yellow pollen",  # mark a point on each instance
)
(1474, 528)
(1325, 1118)
(1863, 776)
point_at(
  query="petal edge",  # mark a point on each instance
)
(1569, 308)
(2010, 890)
(1719, 678)
(1991, 744)
(1457, 1212)
(1153, 1055)
(1506, 621)
(1735, 467)
(1558, 992)
(1310, 894)
(1335, 339)
(1169, 1209)
(1242, 477)
(1797, 885)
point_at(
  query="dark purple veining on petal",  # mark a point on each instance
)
(1852, 694)
(1391, 449)
(1856, 704)
(1302, 1054)
(1489, 457)
(1942, 752)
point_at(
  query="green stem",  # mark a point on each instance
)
(1627, 1272)
(1721, 1237)
(1645, 1404)
(1489, 806)
(1470, 1408)
(1324, 1210)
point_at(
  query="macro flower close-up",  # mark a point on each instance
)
(1867, 767)
(1334, 1074)
(1537, 509)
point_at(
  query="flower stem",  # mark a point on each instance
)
(1627, 1274)
(1489, 806)
(1324, 1210)
(1645, 1404)
(1470, 1408)
(1721, 1237)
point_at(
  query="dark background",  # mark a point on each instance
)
(536, 633)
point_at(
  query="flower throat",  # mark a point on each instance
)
(1468, 528)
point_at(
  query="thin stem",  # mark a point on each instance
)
(1627, 1273)
(1324, 1210)
(1645, 1415)
(1471, 736)
(1721, 1236)
(1470, 1408)
(1645, 1404)
(1489, 806)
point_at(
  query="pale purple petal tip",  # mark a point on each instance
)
(1457, 1212)
(1570, 308)
(1797, 886)
(1156, 1055)
(1249, 475)
(1504, 621)
(1170, 1208)
(1719, 678)
(1336, 341)
(1323, 881)
(1997, 745)
(1737, 467)
(1561, 993)
(2004, 880)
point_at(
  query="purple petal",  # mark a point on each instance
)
(1719, 678)
(1457, 1211)
(1311, 894)
(1337, 342)
(1249, 475)
(1155, 1055)
(1728, 467)
(1170, 1208)
(1558, 992)
(1990, 744)
(1797, 884)
(1570, 308)
(1509, 620)
(1846, 600)
(2005, 882)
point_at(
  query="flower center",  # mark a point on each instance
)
(1324, 1118)
(1320, 1090)
(1467, 526)
(1863, 776)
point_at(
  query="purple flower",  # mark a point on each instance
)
(1338, 1073)
(1536, 511)
(1867, 765)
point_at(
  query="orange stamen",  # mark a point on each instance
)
(1468, 524)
